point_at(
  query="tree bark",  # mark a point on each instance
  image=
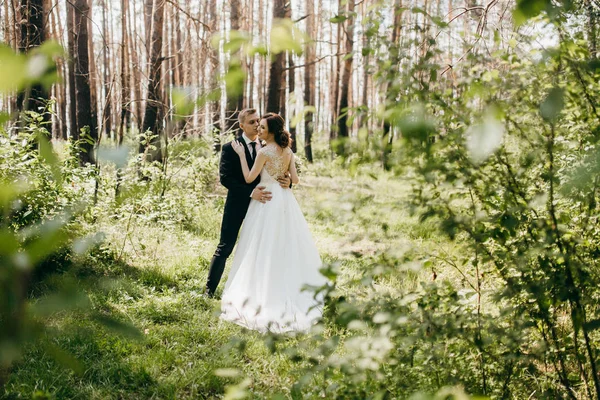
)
(276, 69)
(592, 22)
(106, 114)
(335, 80)
(125, 91)
(388, 135)
(33, 34)
(234, 102)
(309, 78)
(83, 95)
(136, 73)
(92, 67)
(346, 73)
(154, 106)
(214, 106)
(72, 49)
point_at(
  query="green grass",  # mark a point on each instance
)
(183, 350)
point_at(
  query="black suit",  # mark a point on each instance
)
(236, 206)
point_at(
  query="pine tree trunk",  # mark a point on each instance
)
(292, 89)
(592, 22)
(92, 67)
(83, 95)
(234, 102)
(57, 90)
(72, 49)
(335, 80)
(309, 78)
(346, 73)
(106, 114)
(276, 70)
(262, 69)
(125, 91)
(214, 107)
(154, 106)
(33, 33)
(136, 75)
(388, 135)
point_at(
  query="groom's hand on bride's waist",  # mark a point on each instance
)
(284, 181)
(260, 194)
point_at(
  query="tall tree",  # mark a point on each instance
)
(335, 77)
(154, 106)
(592, 27)
(33, 33)
(83, 95)
(288, 81)
(214, 106)
(106, 120)
(388, 136)
(234, 101)
(347, 71)
(262, 70)
(136, 71)
(125, 90)
(72, 96)
(277, 65)
(92, 65)
(309, 79)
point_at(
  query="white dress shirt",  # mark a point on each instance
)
(248, 141)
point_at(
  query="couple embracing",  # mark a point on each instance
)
(276, 254)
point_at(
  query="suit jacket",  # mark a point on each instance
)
(232, 177)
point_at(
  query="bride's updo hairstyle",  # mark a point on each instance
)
(276, 126)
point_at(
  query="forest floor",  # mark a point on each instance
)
(152, 275)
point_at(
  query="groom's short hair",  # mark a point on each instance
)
(244, 113)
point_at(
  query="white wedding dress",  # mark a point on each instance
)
(276, 257)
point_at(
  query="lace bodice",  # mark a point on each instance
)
(278, 160)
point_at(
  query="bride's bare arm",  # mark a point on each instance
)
(258, 164)
(292, 169)
(249, 176)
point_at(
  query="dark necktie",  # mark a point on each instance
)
(253, 152)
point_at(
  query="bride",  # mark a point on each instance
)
(276, 254)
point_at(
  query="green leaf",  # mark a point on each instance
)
(122, 328)
(12, 69)
(338, 19)
(301, 115)
(553, 104)
(234, 80)
(4, 118)
(49, 157)
(51, 49)
(439, 22)
(413, 122)
(284, 36)
(527, 9)
(237, 40)
(483, 139)
(183, 101)
(63, 357)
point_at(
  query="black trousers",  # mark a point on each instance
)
(230, 228)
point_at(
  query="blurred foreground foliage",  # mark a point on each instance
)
(505, 162)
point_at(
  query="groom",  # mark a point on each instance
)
(239, 193)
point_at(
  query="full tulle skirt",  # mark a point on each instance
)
(275, 261)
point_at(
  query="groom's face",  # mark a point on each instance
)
(250, 126)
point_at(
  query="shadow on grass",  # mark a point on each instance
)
(89, 347)
(93, 364)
